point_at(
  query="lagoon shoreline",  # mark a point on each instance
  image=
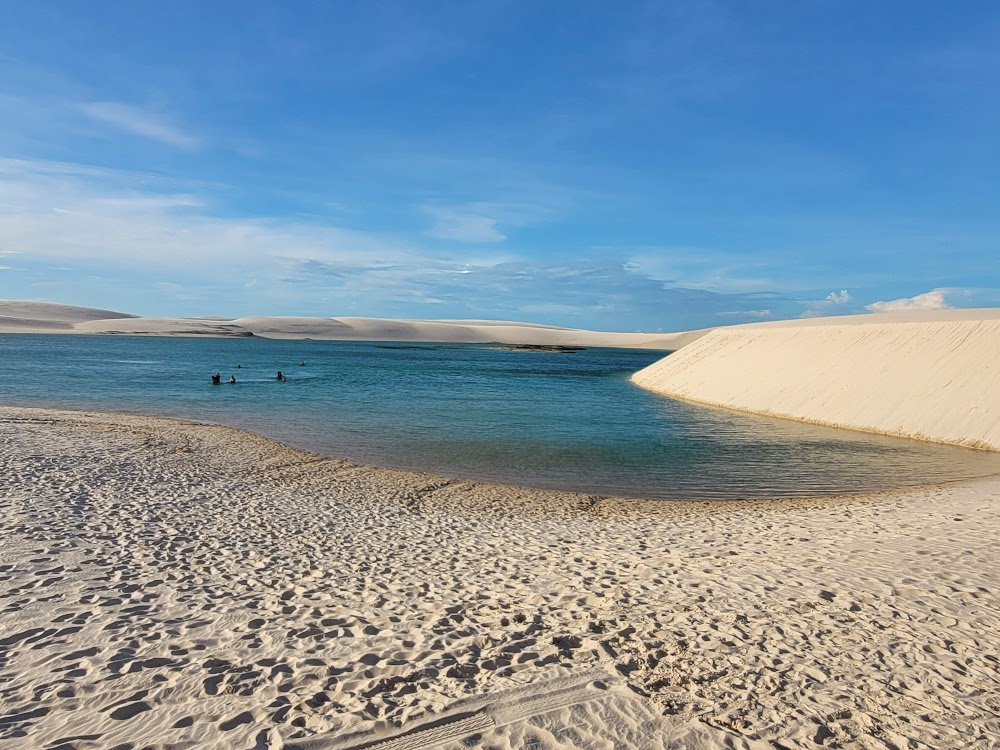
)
(191, 585)
(571, 422)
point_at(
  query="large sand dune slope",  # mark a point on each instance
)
(20, 316)
(932, 376)
(41, 317)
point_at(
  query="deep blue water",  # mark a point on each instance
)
(543, 419)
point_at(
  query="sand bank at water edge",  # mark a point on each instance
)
(932, 376)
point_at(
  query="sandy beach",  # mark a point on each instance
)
(174, 585)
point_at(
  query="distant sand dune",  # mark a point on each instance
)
(17, 316)
(932, 376)
(41, 317)
(163, 327)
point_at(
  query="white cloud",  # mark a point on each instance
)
(759, 314)
(69, 214)
(462, 224)
(827, 306)
(135, 121)
(417, 298)
(932, 300)
(700, 268)
(132, 232)
(549, 307)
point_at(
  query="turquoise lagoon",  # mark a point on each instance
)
(563, 420)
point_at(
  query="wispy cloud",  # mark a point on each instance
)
(61, 212)
(550, 307)
(139, 122)
(932, 300)
(462, 225)
(700, 268)
(566, 293)
(158, 245)
(960, 296)
(745, 314)
(487, 221)
(835, 303)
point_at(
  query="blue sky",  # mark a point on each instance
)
(619, 166)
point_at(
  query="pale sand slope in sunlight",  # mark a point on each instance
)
(932, 375)
(171, 585)
(40, 317)
(17, 316)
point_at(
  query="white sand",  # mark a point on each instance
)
(932, 376)
(39, 317)
(18, 316)
(171, 585)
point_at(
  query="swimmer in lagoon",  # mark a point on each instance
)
(281, 377)
(216, 379)
(232, 379)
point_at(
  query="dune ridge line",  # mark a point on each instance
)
(43, 317)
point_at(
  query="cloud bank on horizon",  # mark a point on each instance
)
(618, 168)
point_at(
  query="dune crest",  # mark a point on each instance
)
(930, 376)
(22, 316)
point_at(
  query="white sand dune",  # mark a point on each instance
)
(456, 331)
(931, 376)
(163, 327)
(18, 316)
(38, 317)
(172, 585)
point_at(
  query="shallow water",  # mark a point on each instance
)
(543, 419)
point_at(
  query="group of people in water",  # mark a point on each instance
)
(217, 378)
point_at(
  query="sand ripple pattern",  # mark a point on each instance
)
(171, 585)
